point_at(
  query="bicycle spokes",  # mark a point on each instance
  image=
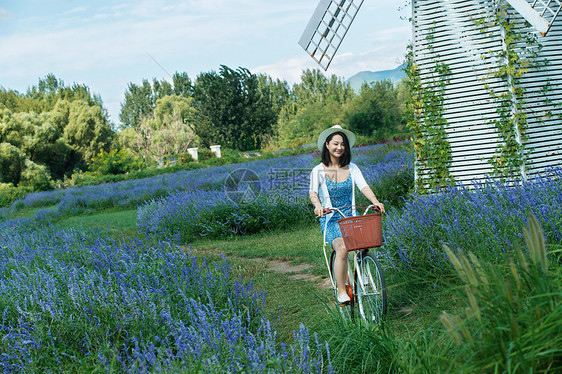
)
(371, 290)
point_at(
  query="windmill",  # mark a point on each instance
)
(538, 13)
(464, 36)
(332, 18)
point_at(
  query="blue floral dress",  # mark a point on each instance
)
(340, 195)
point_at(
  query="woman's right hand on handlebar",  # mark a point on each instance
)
(319, 211)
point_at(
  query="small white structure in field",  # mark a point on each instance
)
(193, 153)
(216, 149)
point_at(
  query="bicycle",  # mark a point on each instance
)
(367, 288)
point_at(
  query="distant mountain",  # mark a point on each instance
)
(357, 80)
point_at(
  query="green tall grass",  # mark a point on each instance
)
(512, 318)
(500, 319)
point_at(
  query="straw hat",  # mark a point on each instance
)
(336, 128)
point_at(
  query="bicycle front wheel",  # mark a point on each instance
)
(370, 288)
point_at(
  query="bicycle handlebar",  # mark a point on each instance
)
(331, 210)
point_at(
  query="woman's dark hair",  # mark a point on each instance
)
(345, 158)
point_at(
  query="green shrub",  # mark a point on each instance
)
(184, 158)
(115, 162)
(36, 177)
(205, 154)
(393, 188)
(359, 348)
(9, 193)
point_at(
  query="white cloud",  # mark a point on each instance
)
(80, 9)
(5, 14)
(120, 40)
(289, 70)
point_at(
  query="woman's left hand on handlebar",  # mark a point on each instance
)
(379, 206)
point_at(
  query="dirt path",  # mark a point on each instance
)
(295, 272)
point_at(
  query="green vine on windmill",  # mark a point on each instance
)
(510, 158)
(426, 120)
(519, 54)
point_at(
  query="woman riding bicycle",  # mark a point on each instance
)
(332, 184)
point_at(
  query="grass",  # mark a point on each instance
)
(293, 297)
(309, 301)
(297, 245)
(118, 222)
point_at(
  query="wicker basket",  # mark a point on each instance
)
(361, 232)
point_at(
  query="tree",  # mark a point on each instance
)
(313, 104)
(46, 91)
(16, 128)
(57, 157)
(376, 111)
(47, 147)
(308, 122)
(174, 120)
(50, 90)
(87, 131)
(114, 162)
(182, 85)
(140, 100)
(138, 103)
(11, 100)
(166, 132)
(279, 91)
(38, 137)
(54, 127)
(11, 163)
(316, 87)
(35, 176)
(239, 112)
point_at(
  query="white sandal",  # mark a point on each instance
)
(343, 298)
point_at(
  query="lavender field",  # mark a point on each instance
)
(280, 199)
(78, 300)
(81, 301)
(486, 219)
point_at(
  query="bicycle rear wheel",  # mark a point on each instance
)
(347, 309)
(370, 288)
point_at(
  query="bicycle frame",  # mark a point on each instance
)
(355, 257)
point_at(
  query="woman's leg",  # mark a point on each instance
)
(340, 267)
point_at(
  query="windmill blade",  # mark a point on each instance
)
(539, 13)
(327, 28)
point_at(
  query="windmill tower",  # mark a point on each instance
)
(498, 64)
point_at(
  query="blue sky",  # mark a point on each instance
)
(106, 44)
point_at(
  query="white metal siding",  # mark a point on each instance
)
(469, 108)
(545, 133)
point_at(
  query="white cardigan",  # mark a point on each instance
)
(318, 185)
